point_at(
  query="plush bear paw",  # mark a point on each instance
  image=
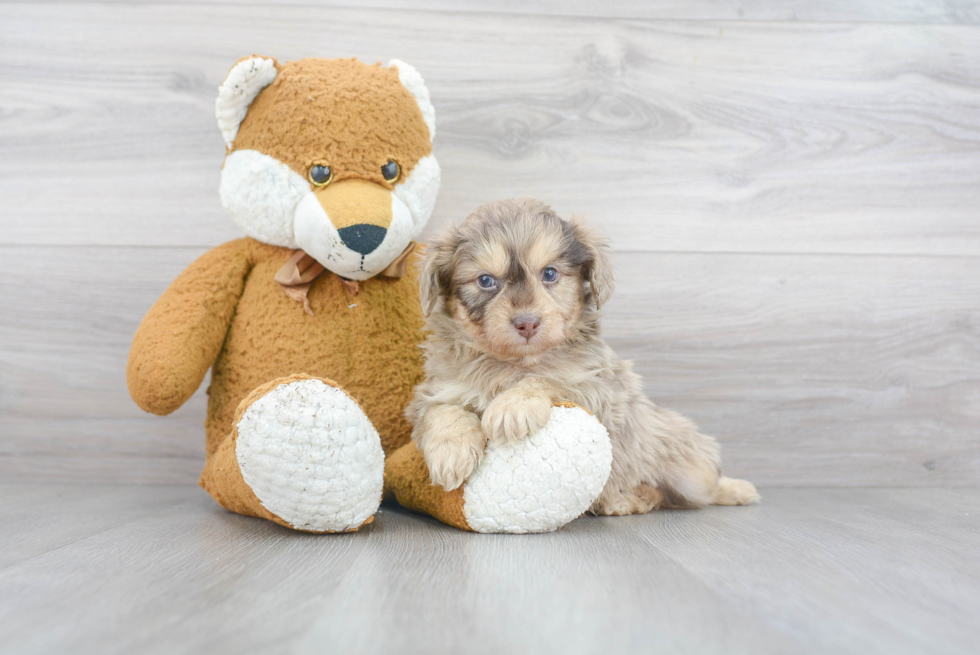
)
(311, 456)
(542, 482)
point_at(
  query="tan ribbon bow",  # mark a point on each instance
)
(297, 275)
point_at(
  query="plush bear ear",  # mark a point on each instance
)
(412, 80)
(245, 80)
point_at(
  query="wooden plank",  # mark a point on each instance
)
(244, 585)
(579, 590)
(809, 570)
(834, 370)
(144, 450)
(69, 317)
(680, 136)
(835, 11)
(40, 518)
(845, 370)
(175, 579)
(862, 571)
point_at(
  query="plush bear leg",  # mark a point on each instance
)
(407, 481)
(302, 453)
(538, 484)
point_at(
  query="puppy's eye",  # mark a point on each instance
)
(320, 175)
(549, 274)
(486, 281)
(391, 171)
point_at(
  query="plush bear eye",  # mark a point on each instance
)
(549, 274)
(320, 175)
(486, 281)
(391, 171)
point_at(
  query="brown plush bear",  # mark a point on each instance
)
(311, 324)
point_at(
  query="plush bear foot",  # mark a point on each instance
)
(537, 484)
(306, 454)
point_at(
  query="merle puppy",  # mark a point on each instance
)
(512, 297)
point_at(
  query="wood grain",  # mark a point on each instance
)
(678, 136)
(808, 571)
(835, 11)
(879, 570)
(794, 206)
(38, 519)
(833, 365)
(792, 191)
(836, 370)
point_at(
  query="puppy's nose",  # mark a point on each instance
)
(363, 238)
(527, 326)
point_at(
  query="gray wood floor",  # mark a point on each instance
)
(792, 190)
(162, 569)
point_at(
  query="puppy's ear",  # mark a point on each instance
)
(597, 268)
(437, 268)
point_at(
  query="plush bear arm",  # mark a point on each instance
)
(182, 334)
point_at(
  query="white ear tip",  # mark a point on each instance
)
(412, 80)
(245, 81)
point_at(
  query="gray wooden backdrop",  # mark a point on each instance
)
(792, 191)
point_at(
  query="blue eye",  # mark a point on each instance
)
(486, 281)
(549, 274)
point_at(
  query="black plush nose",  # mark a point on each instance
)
(363, 238)
(527, 326)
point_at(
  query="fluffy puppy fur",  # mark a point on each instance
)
(512, 298)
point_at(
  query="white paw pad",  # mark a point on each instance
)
(311, 456)
(542, 482)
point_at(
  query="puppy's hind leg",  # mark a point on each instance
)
(732, 491)
(691, 474)
(660, 460)
(640, 500)
(700, 483)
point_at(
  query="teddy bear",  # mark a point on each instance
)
(311, 323)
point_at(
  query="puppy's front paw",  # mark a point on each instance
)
(515, 414)
(451, 464)
(454, 454)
